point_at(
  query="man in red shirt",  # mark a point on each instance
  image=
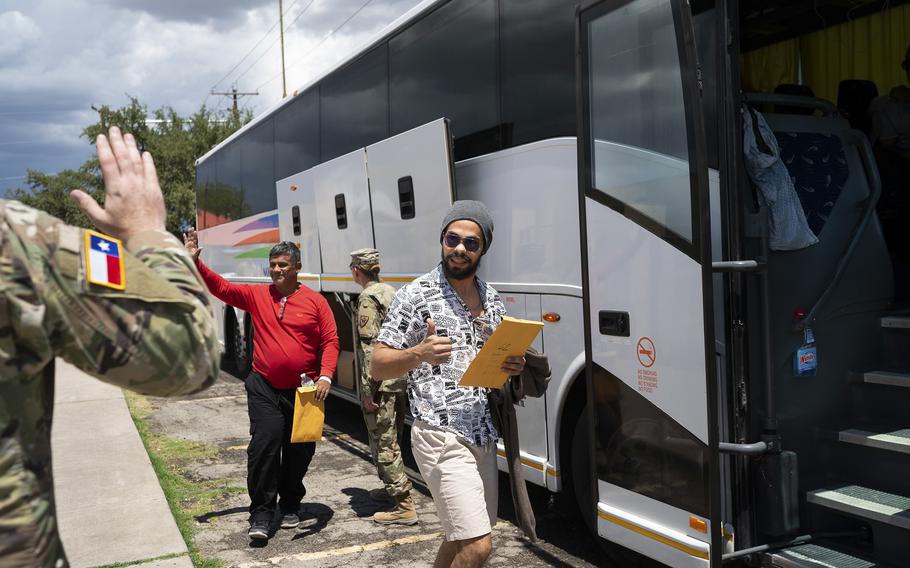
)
(293, 333)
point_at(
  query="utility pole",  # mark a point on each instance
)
(234, 94)
(284, 85)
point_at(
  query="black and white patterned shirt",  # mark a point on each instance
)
(433, 391)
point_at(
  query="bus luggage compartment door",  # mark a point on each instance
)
(297, 221)
(342, 216)
(411, 189)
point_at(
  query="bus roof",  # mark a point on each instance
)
(412, 14)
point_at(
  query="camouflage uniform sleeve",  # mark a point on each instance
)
(157, 336)
(368, 323)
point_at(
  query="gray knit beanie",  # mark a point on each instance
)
(472, 211)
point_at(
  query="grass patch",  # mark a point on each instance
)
(187, 498)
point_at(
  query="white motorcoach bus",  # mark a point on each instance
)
(713, 401)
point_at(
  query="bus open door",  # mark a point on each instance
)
(646, 273)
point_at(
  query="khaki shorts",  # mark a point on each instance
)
(462, 478)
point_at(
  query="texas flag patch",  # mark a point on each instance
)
(104, 260)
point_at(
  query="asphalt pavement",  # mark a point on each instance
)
(112, 509)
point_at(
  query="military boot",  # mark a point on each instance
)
(404, 513)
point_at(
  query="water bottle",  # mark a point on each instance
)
(805, 362)
(305, 381)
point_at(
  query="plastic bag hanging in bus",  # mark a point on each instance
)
(788, 228)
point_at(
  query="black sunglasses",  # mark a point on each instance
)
(471, 244)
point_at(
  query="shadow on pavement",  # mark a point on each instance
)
(361, 503)
(204, 518)
(313, 518)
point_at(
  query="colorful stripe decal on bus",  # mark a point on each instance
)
(267, 222)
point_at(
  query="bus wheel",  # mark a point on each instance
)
(242, 347)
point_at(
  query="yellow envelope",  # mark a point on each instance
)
(511, 339)
(309, 416)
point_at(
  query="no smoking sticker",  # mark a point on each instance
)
(647, 353)
(647, 356)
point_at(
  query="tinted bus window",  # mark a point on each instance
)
(204, 175)
(354, 105)
(538, 69)
(258, 178)
(297, 135)
(638, 114)
(445, 65)
(224, 198)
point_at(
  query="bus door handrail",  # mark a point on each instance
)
(753, 449)
(737, 266)
(826, 107)
(875, 190)
(770, 441)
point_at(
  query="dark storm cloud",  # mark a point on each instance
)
(60, 58)
(220, 13)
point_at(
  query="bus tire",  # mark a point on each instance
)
(581, 473)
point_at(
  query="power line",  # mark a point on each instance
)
(302, 12)
(234, 94)
(258, 43)
(323, 40)
(264, 53)
(248, 53)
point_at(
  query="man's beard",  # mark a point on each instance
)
(467, 271)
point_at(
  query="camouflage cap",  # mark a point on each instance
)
(366, 259)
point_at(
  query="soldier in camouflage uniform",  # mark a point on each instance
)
(384, 403)
(156, 335)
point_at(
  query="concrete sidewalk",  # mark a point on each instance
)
(110, 506)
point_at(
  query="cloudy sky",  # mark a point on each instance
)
(60, 57)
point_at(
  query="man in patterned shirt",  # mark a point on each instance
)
(435, 327)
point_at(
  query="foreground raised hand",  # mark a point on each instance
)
(132, 196)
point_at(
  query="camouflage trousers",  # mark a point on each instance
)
(384, 427)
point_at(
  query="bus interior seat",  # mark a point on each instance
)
(823, 155)
(817, 163)
(791, 89)
(853, 98)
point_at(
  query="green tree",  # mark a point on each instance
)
(175, 144)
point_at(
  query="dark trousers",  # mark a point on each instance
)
(275, 466)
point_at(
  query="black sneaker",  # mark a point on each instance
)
(259, 530)
(290, 521)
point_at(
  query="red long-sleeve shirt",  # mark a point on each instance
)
(303, 340)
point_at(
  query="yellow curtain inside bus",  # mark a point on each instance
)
(773, 65)
(871, 48)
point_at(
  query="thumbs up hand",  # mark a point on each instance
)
(434, 349)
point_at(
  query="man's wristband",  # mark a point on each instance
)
(324, 378)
